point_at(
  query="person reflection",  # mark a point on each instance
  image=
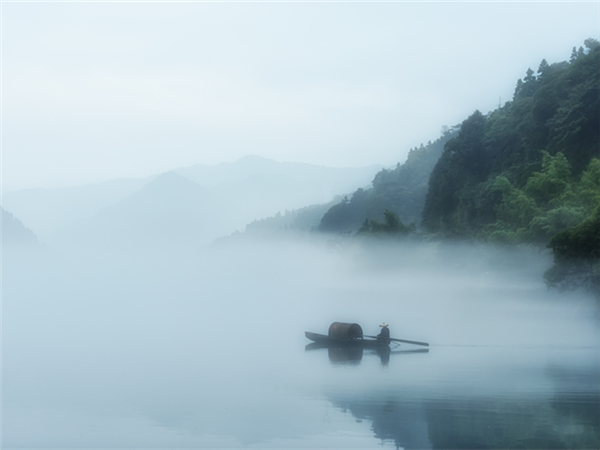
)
(384, 353)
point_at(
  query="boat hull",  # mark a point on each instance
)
(326, 341)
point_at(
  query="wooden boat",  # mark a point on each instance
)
(351, 334)
(323, 340)
(345, 334)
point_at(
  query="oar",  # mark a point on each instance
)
(403, 340)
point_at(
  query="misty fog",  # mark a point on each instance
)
(160, 263)
(204, 346)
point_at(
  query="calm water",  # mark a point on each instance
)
(206, 348)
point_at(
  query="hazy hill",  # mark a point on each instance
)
(48, 210)
(14, 234)
(402, 190)
(259, 187)
(324, 180)
(246, 190)
(298, 220)
(170, 209)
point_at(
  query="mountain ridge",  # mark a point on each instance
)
(250, 189)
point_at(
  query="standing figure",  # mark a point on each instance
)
(384, 335)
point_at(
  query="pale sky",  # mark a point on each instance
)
(93, 91)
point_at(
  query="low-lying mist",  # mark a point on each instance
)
(167, 335)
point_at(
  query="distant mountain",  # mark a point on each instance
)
(170, 209)
(259, 187)
(48, 210)
(234, 195)
(14, 233)
(335, 179)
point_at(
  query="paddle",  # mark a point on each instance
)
(403, 340)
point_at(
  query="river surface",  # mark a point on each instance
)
(205, 348)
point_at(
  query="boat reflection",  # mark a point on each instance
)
(352, 355)
(562, 414)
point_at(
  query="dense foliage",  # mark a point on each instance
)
(391, 226)
(577, 256)
(401, 190)
(528, 169)
(303, 219)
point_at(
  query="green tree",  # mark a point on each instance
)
(591, 44)
(526, 87)
(574, 55)
(577, 257)
(391, 226)
(588, 189)
(551, 182)
(543, 68)
(515, 213)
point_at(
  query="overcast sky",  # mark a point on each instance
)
(96, 91)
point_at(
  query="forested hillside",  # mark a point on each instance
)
(529, 169)
(528, 172)
(302, 220)
(401, 190)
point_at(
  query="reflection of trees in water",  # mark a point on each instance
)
(482, 423)
(569, 419)
(392, 420)
(577, 401)
(580, 420)
(493, 423)
(514, 423)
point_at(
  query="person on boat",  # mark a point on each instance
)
(384, 335)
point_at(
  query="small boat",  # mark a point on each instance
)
(323, 340)
(345, 334)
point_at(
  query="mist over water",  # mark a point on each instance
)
(165, 166)
(205, 347)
